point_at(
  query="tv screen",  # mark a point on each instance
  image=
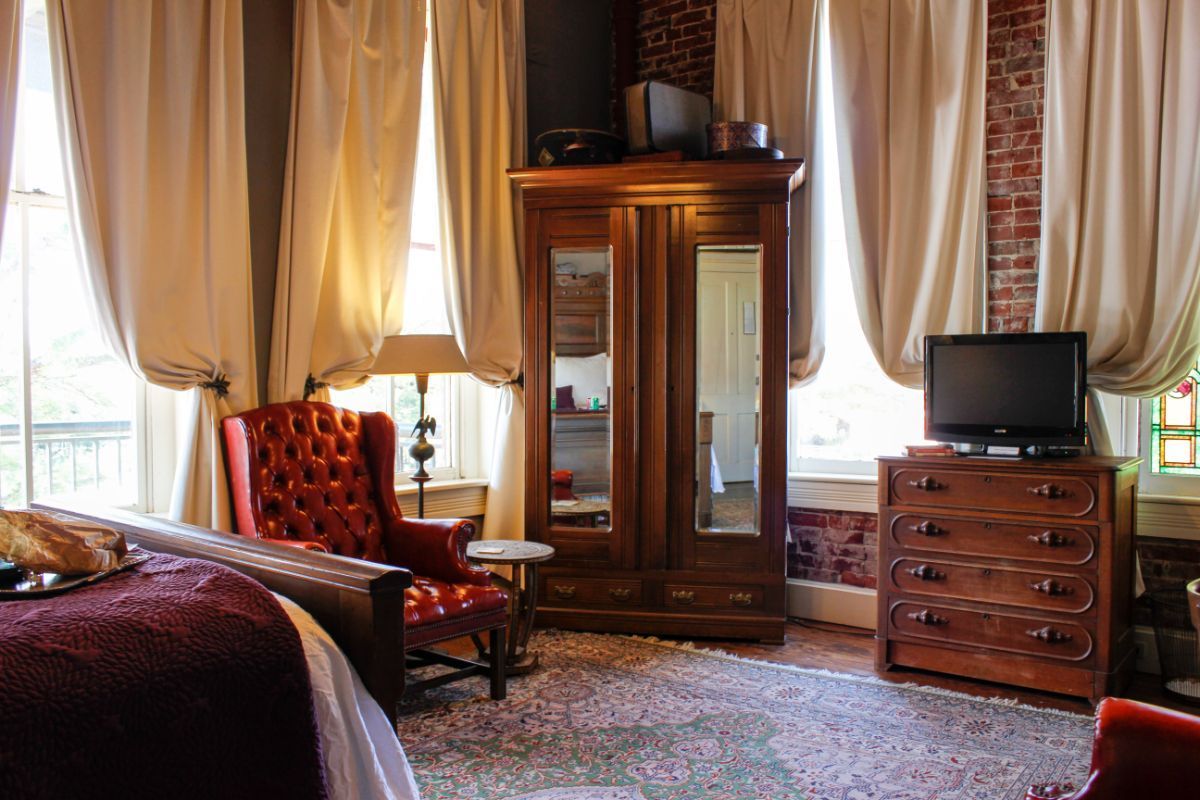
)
(1006, 389)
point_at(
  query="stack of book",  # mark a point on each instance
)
(929, 450)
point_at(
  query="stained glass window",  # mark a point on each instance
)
(1174, 429)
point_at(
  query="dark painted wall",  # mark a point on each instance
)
(568, 63)
(267, 39)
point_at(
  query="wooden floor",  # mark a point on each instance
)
(820, 645)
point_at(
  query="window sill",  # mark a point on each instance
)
(1161, 516)
(833, 491)
(447, 499)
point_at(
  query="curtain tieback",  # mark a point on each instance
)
(312, 386)
(219, 384)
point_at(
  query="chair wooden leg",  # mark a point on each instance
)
(498, 657)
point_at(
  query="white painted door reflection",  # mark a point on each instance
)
(728, 359)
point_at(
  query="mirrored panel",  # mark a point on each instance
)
(581, 377)
(728, 382)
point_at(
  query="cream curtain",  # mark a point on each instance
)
(909, 91)
(347, 205)
(478, 49)
(768, 70)
(1121, 192)
(11, 20)
(150, 112)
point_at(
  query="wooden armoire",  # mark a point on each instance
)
(656, 373)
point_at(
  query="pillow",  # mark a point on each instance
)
(587, 375)
(564, 398)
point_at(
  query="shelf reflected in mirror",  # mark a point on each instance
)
(581, 379)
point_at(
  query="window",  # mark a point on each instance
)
(851, 411)
(424, 312)
(68, 410)
(1173, 429)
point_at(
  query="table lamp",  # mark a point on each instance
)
(421, 355)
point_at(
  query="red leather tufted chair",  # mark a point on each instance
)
(561, 480)
(1140, 751)
(316, 476)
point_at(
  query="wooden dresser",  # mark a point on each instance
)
(1015, 571)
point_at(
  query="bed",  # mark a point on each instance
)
(344, 611)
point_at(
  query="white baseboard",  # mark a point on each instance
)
(831, 602)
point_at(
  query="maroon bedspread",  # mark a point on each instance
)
(177, 679)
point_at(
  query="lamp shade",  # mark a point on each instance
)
(419, 354)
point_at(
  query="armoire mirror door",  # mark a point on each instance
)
(728, 387)
(581, 377)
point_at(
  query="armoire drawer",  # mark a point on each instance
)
(691, 595)
(1047, 494)
(1057, 544)
(561, 591)
(985, 583)
(1028, 636)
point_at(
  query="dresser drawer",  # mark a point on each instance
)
(1029, 492)
(562, 591)
(691, 595)
(1056, 544)
(1041, 591)
(1062, 641)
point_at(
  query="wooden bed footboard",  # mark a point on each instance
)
(360, 603)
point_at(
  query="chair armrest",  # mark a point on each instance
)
(316, 547)
(1140, 751)
(434, 548)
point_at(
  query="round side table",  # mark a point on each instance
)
(523, 557)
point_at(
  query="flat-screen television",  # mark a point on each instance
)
(1006, 389)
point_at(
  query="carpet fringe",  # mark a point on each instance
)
(868, 680)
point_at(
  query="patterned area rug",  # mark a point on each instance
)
(615, 718)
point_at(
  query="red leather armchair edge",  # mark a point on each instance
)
(1140, 751)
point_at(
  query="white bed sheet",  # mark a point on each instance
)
(363, 758)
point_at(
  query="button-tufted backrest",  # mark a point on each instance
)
(311, 472)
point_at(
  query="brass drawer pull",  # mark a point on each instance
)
(684, 598)
(926, 484)
(926, 573)
(1051, 587)
(1049, 635)
(741, 598)
(620, 595)
(927, 617)
(1048, 490)
(927, 528)
(1051, 539)
(564, 592)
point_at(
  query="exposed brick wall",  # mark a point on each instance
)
(1166, 564)
(676, 43)
(832, 546)
(1016, 79)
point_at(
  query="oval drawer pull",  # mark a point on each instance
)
(1052, 588)
(1049, 635)
(1048, 490)
(927, 617)
(620, 595)
(684, 598)
(926, 573)
(564, 592)
(926, 484)
(927, 528)
(741, 598)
